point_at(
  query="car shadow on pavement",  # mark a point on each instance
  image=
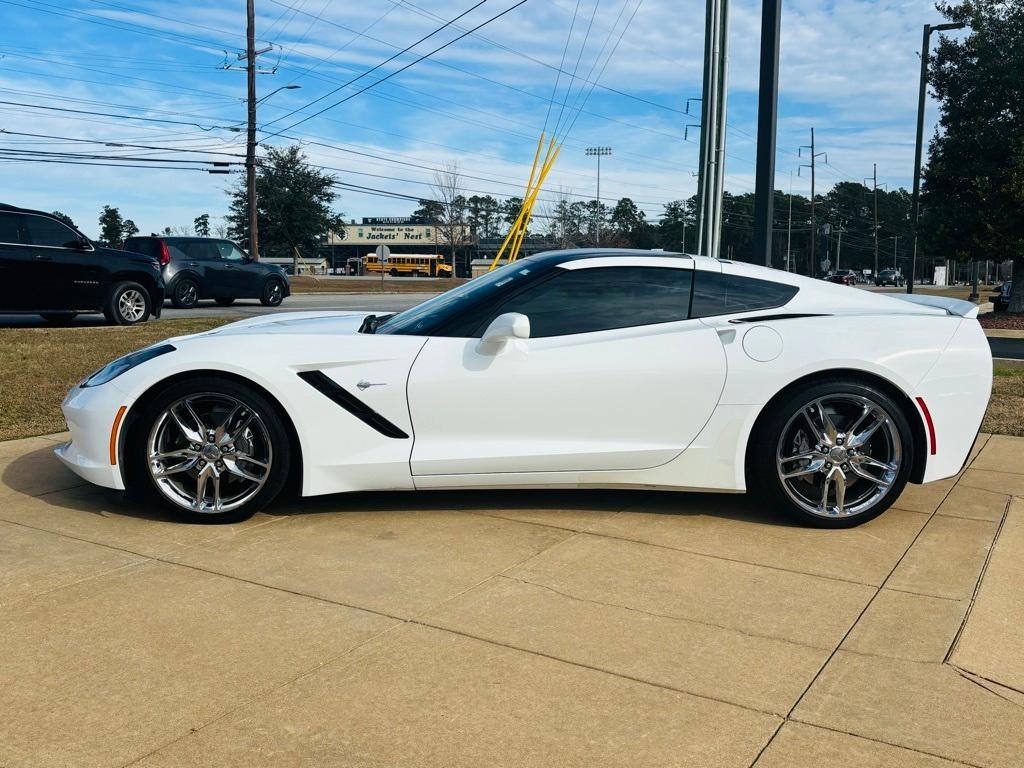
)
(39, 474)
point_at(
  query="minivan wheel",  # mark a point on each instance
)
(273, 293)
(186, 294)
(128, 304)
(833, 455)
(210, 450)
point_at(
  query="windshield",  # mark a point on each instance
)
(434, 313)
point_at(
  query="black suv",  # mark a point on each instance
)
(49, 269)
(889, 277)
(209, 268)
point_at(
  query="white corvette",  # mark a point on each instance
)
(569, 369)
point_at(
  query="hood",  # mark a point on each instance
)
(299, 323)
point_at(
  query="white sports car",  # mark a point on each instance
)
(568, 369)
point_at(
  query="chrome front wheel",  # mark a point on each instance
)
(209, 453)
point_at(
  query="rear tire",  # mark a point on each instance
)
(224, 301)
(185, 294)
(836, 472)
(240, 444)
(129, 304)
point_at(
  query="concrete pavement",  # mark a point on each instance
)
(584, 628)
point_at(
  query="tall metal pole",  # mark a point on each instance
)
(767, 119)
(789, 225)
(250, 144)
(875, 182)
(919, 143)
(814, 226)
(598, 152)
(703, 181)
(721, 102)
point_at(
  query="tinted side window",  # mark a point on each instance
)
(199, 250)
(229, 251)
(49, 232)
(715, 293)
(601, 298)
(9, 228)
(144, 245)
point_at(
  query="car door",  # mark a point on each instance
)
(241, 279)
(15, 262)
(65, 263)
(204, 259)
(614, 376)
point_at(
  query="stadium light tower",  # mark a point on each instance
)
(598, 152)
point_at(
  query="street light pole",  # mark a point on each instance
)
(918, 145)
(767, 119)
(598, 152)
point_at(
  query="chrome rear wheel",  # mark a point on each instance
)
(839, 455)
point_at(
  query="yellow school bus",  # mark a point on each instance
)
(410, 264)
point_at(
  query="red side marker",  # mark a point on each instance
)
(928, 421)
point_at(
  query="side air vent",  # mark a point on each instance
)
(327, 387)
(766, 318)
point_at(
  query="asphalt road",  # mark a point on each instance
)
(301, 302)
(395, 302)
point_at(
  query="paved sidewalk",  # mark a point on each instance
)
(511, 628)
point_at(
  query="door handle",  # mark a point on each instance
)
(43, 257)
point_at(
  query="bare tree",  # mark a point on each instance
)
(451, 221)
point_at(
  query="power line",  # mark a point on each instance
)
(401, 69)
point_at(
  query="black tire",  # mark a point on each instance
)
(224, 301)
(59, 318)
(185, 294)
(273, 293)
(393, 272)
(781, 429)
(143, 486)
(128, 304)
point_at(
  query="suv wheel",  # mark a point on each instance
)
(128, 304)
(273, 293)
(186, 293)
(834, 454)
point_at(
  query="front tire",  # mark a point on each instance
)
(129, 304)
(209, 450)
(273, 293)
(834, 454)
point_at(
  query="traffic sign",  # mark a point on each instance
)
(382, 254)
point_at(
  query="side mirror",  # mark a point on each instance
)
(81, 244)
(510, 325)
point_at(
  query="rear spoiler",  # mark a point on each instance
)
(956, 307)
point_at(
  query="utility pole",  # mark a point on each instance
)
(895, 242)
(250, 142)
(874, 187)
(839, 244)
(921, 93)
(811, 165)
(767, 120)
(711, 173)
(789, 226)
(597, 152)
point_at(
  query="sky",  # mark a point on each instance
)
(849, 68)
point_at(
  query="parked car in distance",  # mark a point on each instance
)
(48, 268)
(1001, 300)
(889, 277)
(843, 277)
(197, 268)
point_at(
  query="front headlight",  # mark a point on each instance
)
(117, 367)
